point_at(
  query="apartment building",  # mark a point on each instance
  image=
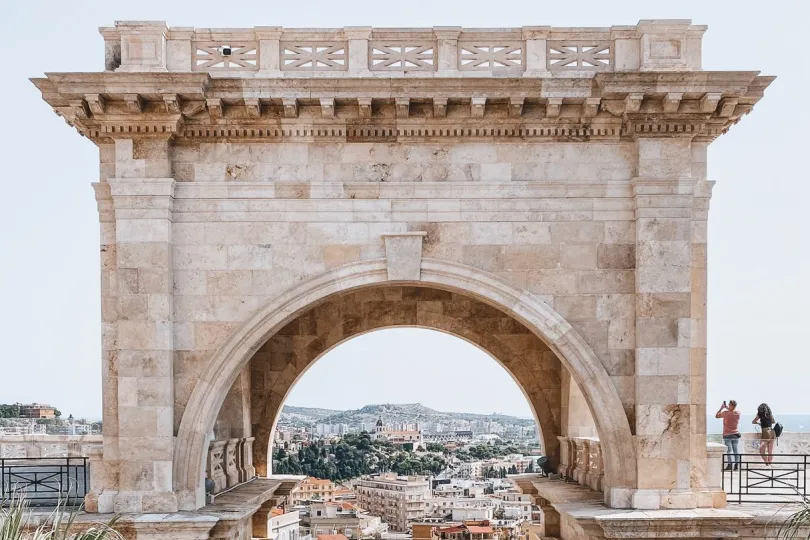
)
(313, 488)
(398, 500)
(37, 410)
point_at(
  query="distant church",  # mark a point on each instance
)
(398, 434)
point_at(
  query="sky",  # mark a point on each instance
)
(759, 252)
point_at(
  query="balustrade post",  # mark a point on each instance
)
(536, 47)
(215, 465)
(143, 45)
(671, 45)
(626, 48)
(714, 476)
(565, 458)
(358, 58)
(231, 462)
(247, 455)
(447, 49)
(178, 49)
(96, 465)
(269, 38)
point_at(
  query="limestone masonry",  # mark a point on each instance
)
(267, 193)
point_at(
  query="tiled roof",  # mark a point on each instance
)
(331, 537)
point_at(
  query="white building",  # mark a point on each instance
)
(397, 500)
(399, 434)
(470, 469)
(472, 513)
(283, 526)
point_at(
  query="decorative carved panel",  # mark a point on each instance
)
(207, 56)
(13, 451)
(313, 56)
(580, 55)
(390, 56)
(475, 56)
(54, 450)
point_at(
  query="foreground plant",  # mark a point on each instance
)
(798, 524)
(15, 515)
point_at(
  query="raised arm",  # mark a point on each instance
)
(755, 420)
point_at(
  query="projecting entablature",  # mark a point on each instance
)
(362, 83)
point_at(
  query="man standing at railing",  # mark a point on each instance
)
(731, 432)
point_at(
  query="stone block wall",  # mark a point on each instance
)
(576, 224)
(250, 220)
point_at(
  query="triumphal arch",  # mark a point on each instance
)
(267, 193)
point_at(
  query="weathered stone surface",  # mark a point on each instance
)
(564, 206)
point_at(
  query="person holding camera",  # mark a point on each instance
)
(731, 432)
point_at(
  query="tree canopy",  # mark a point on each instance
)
(355, 455)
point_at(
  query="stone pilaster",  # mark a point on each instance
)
(667, 353)
(105, 473)
(143, 197)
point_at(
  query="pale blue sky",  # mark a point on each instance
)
(758, 258)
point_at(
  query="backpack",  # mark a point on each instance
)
(777, 430)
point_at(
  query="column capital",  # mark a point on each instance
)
(142, 186)
(536, 32)
(446, 32)
(663, 186)
(142, 198)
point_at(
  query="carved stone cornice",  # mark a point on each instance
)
(699, 105)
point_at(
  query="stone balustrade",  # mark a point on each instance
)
(581, 460)
(48, 446)
(650, 45)
(230, 462)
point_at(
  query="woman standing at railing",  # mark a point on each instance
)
(766, 421)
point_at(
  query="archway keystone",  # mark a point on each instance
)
(403, 255)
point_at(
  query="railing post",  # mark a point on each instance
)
(178, 49)
(626, 49)
(143, 45)
(358, 37)
(715, 478)
(269, 38)
(447, 49)
(536, 38)
(669, 45)
(231, 465)
(215, 466)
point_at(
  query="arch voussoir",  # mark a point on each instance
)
(516, 305)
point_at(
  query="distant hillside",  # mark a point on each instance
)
(390, 413)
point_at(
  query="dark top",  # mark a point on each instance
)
(764, 422)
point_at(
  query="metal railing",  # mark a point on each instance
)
(753, 481)
(45, 481)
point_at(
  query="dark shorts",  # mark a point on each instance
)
(767, 434)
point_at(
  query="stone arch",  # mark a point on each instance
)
(220, 372)
(281, 362)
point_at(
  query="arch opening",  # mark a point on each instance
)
(290, 318)
(397, 365)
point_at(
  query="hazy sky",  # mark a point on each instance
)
(759, 260)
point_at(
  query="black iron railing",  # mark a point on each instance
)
(45, 481)
(752, 480)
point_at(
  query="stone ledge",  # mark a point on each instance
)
(582, 509)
